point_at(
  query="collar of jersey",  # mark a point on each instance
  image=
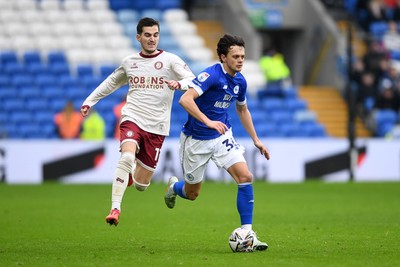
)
(150, 56)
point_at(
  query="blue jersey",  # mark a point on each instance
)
(217, 91)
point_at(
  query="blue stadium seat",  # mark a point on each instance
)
(60, 69)
(121, 4)
(45, 80)
(30, 131)
(35, 104)
(20, 117)
(168, 4)
(28, 92)
(54, 57)
(106, 70)
(32, 57)
(84, 70)
(143, 5)
(15, 68)
(52, 92)
(128, 16)
(294, 104)
(21, 80)
(272, 104)
(152, 13)
(4, 80)
(7, 57)
(282, 116)
(43, 117)
(36, 68)
(68, 81)
(48, 130)
(378, 29)
(7, 93)
(57, 104)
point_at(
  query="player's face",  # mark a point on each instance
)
(233, 61)
(149, 40)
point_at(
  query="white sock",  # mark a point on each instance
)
(119, 185)
(247, 226)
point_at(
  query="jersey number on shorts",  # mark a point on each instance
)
(230, 143)
(157, 154)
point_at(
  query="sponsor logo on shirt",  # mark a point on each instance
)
(141, 82)
(236, 89)
(158, 65)
(203, 76)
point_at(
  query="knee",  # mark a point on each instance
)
(127, 161)
(246, 178)
(192, 195)
(141, 187)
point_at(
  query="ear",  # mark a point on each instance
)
(138, 37)
(223, 57)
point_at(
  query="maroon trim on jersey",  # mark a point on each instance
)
(150, 56)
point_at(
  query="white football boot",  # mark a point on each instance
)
(170, 195)
(258, 245)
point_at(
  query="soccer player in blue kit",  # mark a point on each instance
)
(207, 134)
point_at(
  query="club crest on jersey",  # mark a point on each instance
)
(129, 134)
(203, 76)
(190, 177)
(236, 89)
(158, 65)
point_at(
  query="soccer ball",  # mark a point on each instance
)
(241, 240)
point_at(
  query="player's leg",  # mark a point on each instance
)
(130, 138)
(194, 155)
(120, 181)
(245, 199)
(147, 160)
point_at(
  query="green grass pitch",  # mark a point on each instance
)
(305, 224)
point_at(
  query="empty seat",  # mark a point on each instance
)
(73, 5)
(20, 80)
(43, 116)
(13, 104)
(106, 70)
(20, 116)
(31, 57)
(152, 13)
(7, 57)
(29, 92)
(45, 80)
(168, 4)
(51, 92)
(295, 104)
(127, 16)
(84, 70)
(56, 57)
(272, 104)
(49, 5)
(97, 4)
(35, 104)
(175, 15)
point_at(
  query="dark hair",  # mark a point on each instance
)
(226, 41)
(146, 22)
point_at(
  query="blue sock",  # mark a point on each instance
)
(179, 188)
(245, 203)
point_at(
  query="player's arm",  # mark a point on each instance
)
(113, 82)
(247, 122)
(187, 102)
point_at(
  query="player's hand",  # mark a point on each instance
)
(263, 150)
(85, 110)
(220, 127)
(173, 85)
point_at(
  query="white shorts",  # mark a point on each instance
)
(195, 154)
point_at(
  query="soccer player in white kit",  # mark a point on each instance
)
(153, 76)
(207, 133)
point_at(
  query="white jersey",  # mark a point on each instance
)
(149, 100)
